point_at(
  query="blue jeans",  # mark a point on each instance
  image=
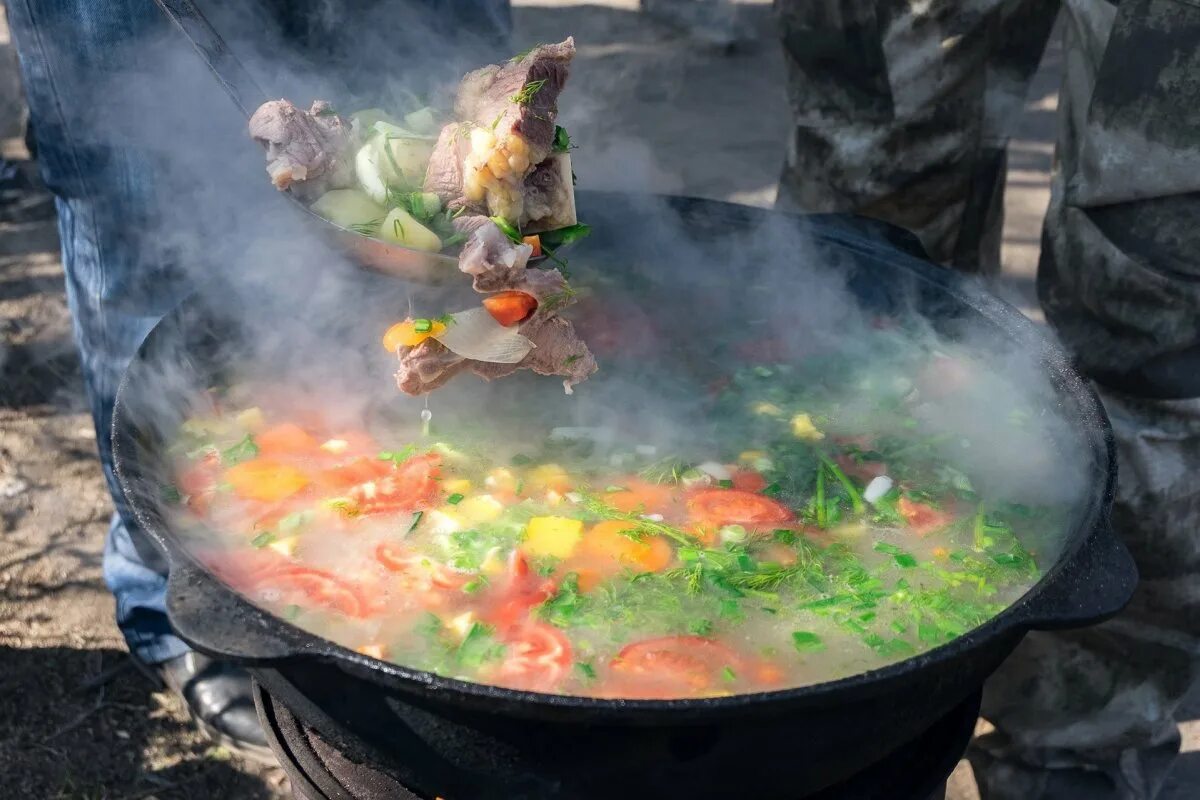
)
(109, 188)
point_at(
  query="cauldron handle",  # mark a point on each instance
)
(1093, 586)
(215, 620)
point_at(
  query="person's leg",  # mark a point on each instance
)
(902, 111)
(1120, 283)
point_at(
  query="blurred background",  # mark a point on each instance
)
(76, 719)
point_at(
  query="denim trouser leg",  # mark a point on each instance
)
(119, 280)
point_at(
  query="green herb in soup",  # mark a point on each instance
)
(816, 540)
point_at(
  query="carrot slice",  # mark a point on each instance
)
(285, 439)
(606, 543)
(535, 242)
(405, 334)
(509, 308)
(265, 480)
(638, 496)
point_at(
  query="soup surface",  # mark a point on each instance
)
(828, 521)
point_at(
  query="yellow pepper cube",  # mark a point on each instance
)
(456, 486)
(803, 428)
(768, 410)
(550, 476)
(285, 546)
(552, 536)
(480, 508)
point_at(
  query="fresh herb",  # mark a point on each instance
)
(472, 586)
(520, 460)
(454, 239)
(416, 520)
(455, 498)
(725, 484)
(519, 57)
(398, 229)
(367, 228)
(806, 642)
(422, 325)
(170, 494)
(398, 456)
(528, 92)
(569, 360)
(564, 236)
(565, 604)
(773, 490)
(562, 139)
(244, 450)
(701, 627)
(507, 228)
(666, 470)
(262, 540)
(728, 674)
(478, 647)
(597, 507)
(586, 670)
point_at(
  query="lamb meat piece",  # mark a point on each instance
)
(519, 96)
(444, 176)
(427, 366)
(549, 196)
(489, 255)
(307, 148)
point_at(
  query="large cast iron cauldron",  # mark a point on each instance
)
(472, 741)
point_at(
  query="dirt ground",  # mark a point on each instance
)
(76, 720)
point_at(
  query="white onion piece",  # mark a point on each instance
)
(877, 488)
(476, 335)
(719, 472)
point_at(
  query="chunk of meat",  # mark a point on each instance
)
(509, 114)
(549, 196)
(494, 260)
(428, 366)
(306, 148)
(444, 175)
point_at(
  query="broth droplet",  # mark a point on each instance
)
(426, 416)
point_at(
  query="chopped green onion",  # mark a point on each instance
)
(773, 490)
(507, 229)
(586, 670)
(455, 499)
(725, 484)
(416, 520)
(806, 642)
(244, 450)
(262, 540)
(562, 139)
(729, 675)
(422, 325)
(397, 456)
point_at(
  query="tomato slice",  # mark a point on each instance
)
(747, 480)
(428, 573)
(671, 666)
(410, 486)
(734, 506)
(199, 481)
(320, 587)
(537, 658)
(354, 472)
(921, 517)
(523, 591)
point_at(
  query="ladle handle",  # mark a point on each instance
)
(218, 622)
(1093, 586)
(230, 73)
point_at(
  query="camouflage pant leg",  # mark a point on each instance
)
(1120, 281)
(902, 111)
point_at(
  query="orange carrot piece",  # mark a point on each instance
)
(535, 242)
(509, 308)
(605, 542)
(265, 480)
(285, 439)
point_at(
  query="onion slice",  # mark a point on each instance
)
(476, 335)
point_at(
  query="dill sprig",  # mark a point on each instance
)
(528, 92)
(665, 470)
(367, 228)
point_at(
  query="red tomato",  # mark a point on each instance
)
(411, 486)
(355, 472)
(426, 572)
(921, 517)
(747, 480)
(320, 587)
(523, 591)
(537, 658)
(734, 506)
(671, 666)
(199, 480)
